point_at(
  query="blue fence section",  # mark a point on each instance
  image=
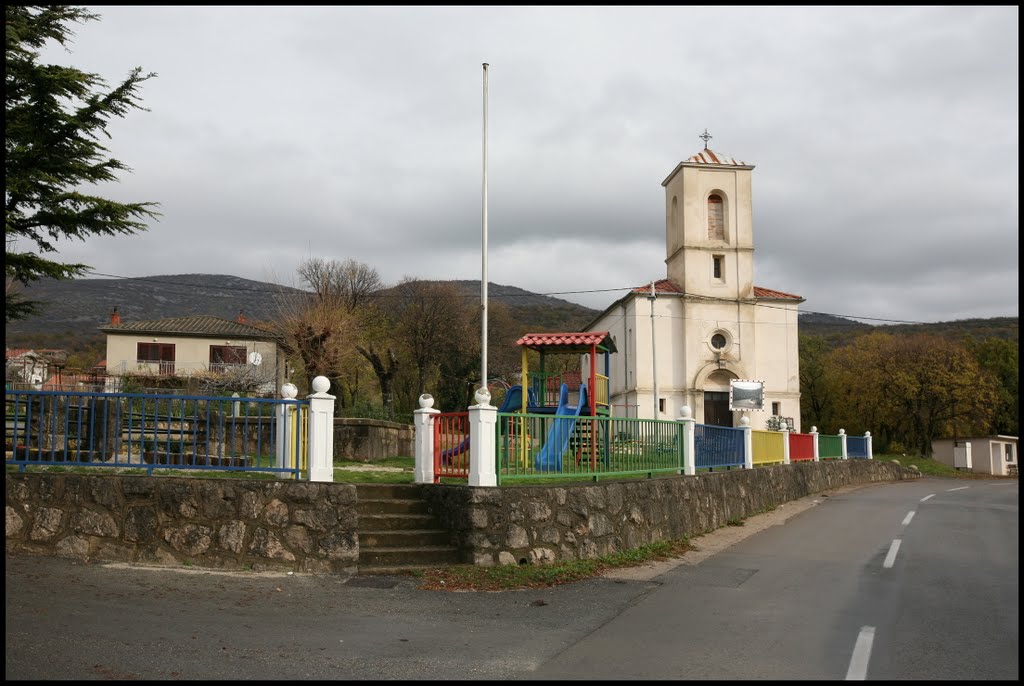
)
(857, 447)
(717, 446)
(154, 431)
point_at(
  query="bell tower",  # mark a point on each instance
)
(709, 236)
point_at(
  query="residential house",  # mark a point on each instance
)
(996, 455)
(190, 346)
(26, 366)
(685, 338)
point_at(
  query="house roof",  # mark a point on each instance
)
(568, 342)
(14, 353)
(707, 158)
(774, 295)
(200, 325)
(667, 286)
(990, 437)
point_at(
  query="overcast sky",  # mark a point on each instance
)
(884, 142)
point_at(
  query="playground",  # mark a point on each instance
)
(563, 426)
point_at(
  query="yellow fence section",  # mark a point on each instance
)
(297, 421)
(768, 446)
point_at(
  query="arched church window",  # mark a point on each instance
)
(716, 217)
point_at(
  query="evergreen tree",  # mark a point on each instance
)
(55, 117)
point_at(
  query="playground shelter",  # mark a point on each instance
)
(546, 385)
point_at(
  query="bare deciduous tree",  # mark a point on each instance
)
(350, 282)
(319, 329)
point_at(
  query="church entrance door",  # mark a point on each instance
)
(716, 408)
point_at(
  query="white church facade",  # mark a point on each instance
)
(705, 323)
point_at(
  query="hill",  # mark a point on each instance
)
(839, 330)
(534, 311)
(77, 308)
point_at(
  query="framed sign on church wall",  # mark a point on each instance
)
(746, 395)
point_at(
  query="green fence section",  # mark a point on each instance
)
(537, 446)
(830, 447)
(768, 447)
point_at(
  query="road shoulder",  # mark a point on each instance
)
(718, 540)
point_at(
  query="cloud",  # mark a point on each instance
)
(885, 152)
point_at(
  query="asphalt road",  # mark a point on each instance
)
(754, 602)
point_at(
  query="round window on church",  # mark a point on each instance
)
(719, 341)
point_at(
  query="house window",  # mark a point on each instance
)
(159, 353)
(716, 265)
(155, 352)
(719, 341)
(776, 409)
(222, 355)
(716, 218)
(661, 405)
(1009, 452)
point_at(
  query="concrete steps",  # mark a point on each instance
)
(397, 532)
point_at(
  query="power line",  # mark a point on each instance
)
(299, 292)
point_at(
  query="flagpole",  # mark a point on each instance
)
(483, 251)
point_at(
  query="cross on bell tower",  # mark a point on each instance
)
(706, 137)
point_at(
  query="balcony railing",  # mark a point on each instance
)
(171, 367)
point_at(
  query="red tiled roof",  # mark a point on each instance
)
(778, 295)
(565, 340)
(706, 156)
(660, 286)
(666, 286)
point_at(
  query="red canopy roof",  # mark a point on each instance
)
(568, 342)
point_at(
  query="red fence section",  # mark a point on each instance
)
(801, 447)
(451, 445)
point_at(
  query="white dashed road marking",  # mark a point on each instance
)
(891, 557)
(858, 670)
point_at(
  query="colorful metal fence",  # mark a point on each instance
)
(155, 431)
(769, 447)
(537, 446)
(830, 447)
(801, 447)
(718, 447)
(857, 447)
(451, 445)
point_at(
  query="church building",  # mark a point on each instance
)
(683, 338)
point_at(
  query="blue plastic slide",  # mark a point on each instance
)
(549, 459)
(513, 402)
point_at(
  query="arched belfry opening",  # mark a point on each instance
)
(716, 217)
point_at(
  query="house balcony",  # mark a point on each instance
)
(170, 367)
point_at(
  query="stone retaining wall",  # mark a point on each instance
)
(531, 524)
(168, 521)
(241, 524)
(370, 440)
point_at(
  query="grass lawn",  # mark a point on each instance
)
(929, 467)
(399, 470)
